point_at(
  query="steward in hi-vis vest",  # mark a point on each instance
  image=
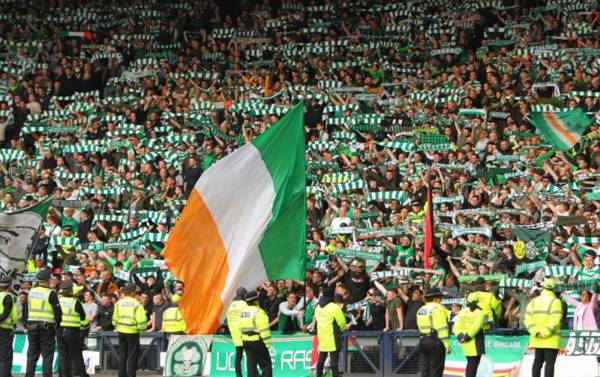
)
(129, 319)
(8, 320)
(233, 323)
(68, 338)
(542, 320)
(256, 336)
(468, 328)
(432, 321)
(42, 315)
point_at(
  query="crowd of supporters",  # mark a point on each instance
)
(115, 109)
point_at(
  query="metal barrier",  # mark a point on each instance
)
(151, 345)
(393, 353)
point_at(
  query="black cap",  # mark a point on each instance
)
(66, 285)
(5, 281)
(44, 275)
(128, 288)
(328, 291)
(434, 292)
(590, 253)
(251, 296)
(240, 292)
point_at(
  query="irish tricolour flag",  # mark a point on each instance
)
(243, 224)
(87, 35)
(561, 129)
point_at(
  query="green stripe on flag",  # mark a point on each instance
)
(284, 241)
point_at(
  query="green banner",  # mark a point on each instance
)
(503, 355)
(579, 343)
(19, 364)
(290, 355)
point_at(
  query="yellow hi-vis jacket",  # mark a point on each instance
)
(254, 325)
(489, 305)
(129, 316)
(470, 323)
(10, 321)
(70, 318)
(330, 321)
(233, 321)
(38, 305)
(172, 320)
(432, 318)
(543, 317)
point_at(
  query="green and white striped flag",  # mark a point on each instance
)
(400, 145)
(400, 196)
(515, 283)
(356, 185)
(128, 236)
(555, 270)
(9, 155)
(581, 241)
(336, 178)
(65, 241)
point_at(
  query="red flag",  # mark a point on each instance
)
(428, 224)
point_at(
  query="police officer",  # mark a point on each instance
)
(432, 321)
(542, 320)
(256, 337)
(330, 323)
(41, 316)
(488, 303)
(8, 320)
(233, 323)
(129, 319)
(468, 328)
(172, 320)
(69, 340)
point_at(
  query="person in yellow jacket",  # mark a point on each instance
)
(42, 315)
(172, 320)
(542, 320)
(256, 337)
(129, 319)
(432, 321)
(8, 321)
(233, 323)
(468, 329)
(68, 338)
(488, 303)
(330, 323)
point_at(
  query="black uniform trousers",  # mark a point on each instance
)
(42, 341)
(239, 354)
(257, 355)
(472, 365)
(6, 351)
(547, 356)
(334, 361)
(129, 352)
(70, 352)
(433, 356)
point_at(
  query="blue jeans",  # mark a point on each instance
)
(570, 323)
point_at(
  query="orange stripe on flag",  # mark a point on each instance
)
(555, 124)
(202, 267)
